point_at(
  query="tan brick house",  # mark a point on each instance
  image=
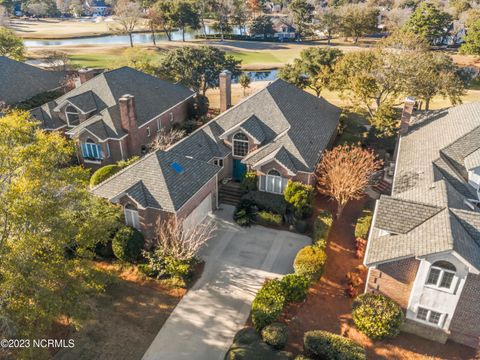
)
(116, 114)
(424, 244)
(280, 132)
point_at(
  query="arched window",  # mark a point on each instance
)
(275, 183)
(441, 275)
(90, 150)
(131, 216)
(240, 145)
(73, 118)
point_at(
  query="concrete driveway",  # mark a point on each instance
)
(238, 260)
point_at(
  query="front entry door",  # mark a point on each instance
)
(239, 169)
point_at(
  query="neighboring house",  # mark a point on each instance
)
(424, 244)
(97, 8)
(115, 115)
(279, 132)
(19, 81)
(283, 30)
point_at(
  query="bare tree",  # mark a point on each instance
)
(182, 244)
(166, 138)
(3, 16)
(128, 16)
(344, 173)
(57, 60)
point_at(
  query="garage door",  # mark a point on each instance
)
(199, 213)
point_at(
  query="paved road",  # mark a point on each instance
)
(238, 260)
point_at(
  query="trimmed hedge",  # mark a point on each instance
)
(268, 304)
(267, 201)
(247, 345)
(249, 181)
(300, 196)
(103, 174)
(321, 228)
(107, 171)
(377, 316)
(310, 262)
(269, 217)
(363, 224)
(127, 244)
(321, 344)
(295, 287)
(275, 335)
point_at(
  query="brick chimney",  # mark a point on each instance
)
(86, 74)
(407, 113)
(128, 114)
(225, 90)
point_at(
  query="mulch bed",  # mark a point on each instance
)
(328, 308)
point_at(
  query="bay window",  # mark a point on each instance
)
(90, 150)
(273, 182)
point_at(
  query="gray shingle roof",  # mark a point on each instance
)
(400, 217)
(456, 152)
(153, 182)
(152, 95)
(428, 208)
(280, 115)
(20, 81)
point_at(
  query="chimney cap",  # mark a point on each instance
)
(225, 73)
(410, 99)
(126, 97)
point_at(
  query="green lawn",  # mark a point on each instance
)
(93, 60)
(254, 57)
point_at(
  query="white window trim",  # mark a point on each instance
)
(283, 183)
(68, 117)
(440, 323)
(440, 277)
(132, 215)
(241, 141)
(86, 156)
(217, 161)
(148, 131)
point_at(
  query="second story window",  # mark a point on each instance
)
(91, 151)
(441, 275)
(240, 145)
(71, 113)
(218, 162)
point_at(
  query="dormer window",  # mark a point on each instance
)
(240, 145)
(441, 275)
(72, 115)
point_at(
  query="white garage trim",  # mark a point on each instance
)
(199, 213)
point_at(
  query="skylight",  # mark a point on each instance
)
(177, 167)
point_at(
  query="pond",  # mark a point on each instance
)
(138, 38)
(262, 75)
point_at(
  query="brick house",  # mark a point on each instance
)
(116, 114)
(20, 81)
(279, 132)
(424, 245)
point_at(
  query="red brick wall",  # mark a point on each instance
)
(274, 165)
(135, 140)
(139, 137)
(394, 279)
(465, 325)
(149, 217)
